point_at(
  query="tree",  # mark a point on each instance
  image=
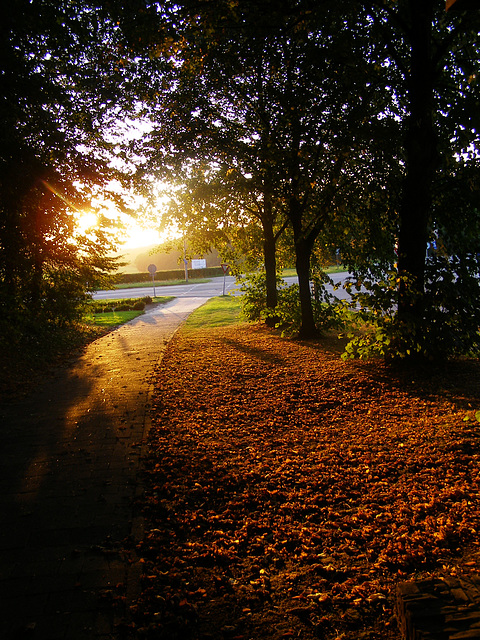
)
(239, 91)
(432, 60)
(223, 133)
(59, 78)
(264, 105)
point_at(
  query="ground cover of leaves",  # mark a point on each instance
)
(287, 492)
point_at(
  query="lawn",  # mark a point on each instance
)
(333, 269)
(111, 319)
(216, 312)
(113, 313)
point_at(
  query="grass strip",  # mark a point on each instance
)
(103, 313)
(111, 318)
(216, 312)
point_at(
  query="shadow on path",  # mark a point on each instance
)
(69, 462)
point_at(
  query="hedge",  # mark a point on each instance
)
(173, 274)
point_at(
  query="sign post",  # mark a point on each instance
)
(225, 268)
(153, 270)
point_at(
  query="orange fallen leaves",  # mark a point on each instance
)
(287, 491)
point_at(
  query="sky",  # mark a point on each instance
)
(138, 236)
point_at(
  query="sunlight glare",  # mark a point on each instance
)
(136, 236)
(86, 220)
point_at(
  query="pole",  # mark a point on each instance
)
(185, 262)
(225, 268)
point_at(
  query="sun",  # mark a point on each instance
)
(86, 221)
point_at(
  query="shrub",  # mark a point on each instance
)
(254, 298)
(448, 326)
(328, 311)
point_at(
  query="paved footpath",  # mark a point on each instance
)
(69, 460)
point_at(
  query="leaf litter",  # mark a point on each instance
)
(287, 492)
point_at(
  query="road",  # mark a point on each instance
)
(214, 287)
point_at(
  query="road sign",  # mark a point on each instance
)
(153, 270)
(225, 268)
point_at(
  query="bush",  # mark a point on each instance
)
(172, 274)
(254, 299)
(125, 304)
(450, 322)
(328, 311)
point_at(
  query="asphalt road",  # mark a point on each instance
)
(200, 290)
(191, 290)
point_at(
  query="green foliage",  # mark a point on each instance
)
(328, 311)
(253, 287)
(449, 322)
(177, 275)
(59, 69)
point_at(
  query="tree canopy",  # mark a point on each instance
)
(263, 107)
(350, 122)
(340, 125)
(64, 84)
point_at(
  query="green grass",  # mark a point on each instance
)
(111, 319)
(216, 312)
(339, 268)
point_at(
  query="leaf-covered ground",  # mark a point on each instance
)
(288, 492)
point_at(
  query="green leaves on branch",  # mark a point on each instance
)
(329, 312)
(448, 323)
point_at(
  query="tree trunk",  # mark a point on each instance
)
(303, 252)
(270, 259)
(420, 153)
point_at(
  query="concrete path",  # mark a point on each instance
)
(69, 460)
